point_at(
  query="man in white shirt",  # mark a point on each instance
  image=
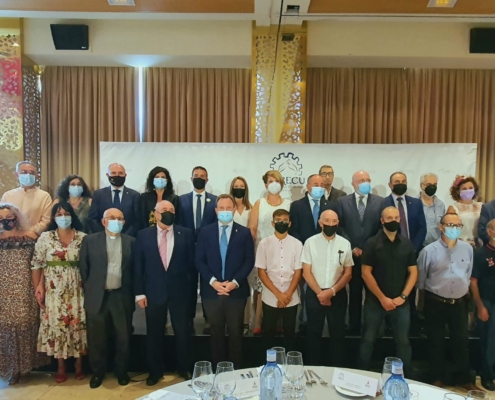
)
(327, 268)
(278, 260)
(31, 200)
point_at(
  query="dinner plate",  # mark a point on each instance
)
(348, 392)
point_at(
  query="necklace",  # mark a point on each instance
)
(275, 205)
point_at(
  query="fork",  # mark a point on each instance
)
(322, 382)
(313, 382)
(308, 382)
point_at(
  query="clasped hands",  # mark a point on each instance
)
(391, 304)
(223, 288)
(283, 299)
(325, 297)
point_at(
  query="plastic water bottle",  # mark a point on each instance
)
(271, 378)
(396, 387)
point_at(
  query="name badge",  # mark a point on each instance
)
(355, 382)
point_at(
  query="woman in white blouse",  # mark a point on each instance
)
(240, 191)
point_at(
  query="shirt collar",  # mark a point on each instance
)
(21, 189)
(229, 224)
(359, 195)
(403, 197)
(384, 236)
(444, 244)
(202, 194)
(117, 188)
(112, 237)
(160, 230)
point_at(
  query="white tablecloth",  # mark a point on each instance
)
(315, 392)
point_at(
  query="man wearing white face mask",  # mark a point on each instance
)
(31, 200)
(224, 259)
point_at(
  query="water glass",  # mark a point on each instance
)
(294, 370)
(202, 379)
(225, 381)
(453, 396)
(386, 371)
(478, 394)
(281, 358)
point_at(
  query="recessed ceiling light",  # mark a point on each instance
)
(442, 3)
(121, 2)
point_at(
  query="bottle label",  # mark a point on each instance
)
(396, 369)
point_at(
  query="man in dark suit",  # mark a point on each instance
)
(115, 196)
(197, 209)
(105, 264)
(163, 266)
(359, 215)
(224, 258)
(412, 226)
(487, 214)
(331, 193)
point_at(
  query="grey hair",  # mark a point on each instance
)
(18, 165)
(22, 222)
(424, 176)
(117, 164)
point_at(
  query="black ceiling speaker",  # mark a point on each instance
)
(482, 40)
(70, 37)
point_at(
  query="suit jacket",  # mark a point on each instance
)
(487, 214)
(129, 205)
(151, 278)
(186, 215)
(301, 218)
(93, 266)
(335, 194)
(416, 220)
(147, 203)
(356, 230)
(239, 261)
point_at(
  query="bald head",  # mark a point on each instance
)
(164, 205)
(116, 169)
(165, 214)
(359, 178)
(112, 214)
(329, 217)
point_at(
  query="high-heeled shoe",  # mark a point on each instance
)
(80, 375)
(61, 378)
(257, 331)
(14, 379)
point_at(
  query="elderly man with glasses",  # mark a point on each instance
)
(444, 271)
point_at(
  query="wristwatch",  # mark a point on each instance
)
(403, 296)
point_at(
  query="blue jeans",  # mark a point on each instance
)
(373, 316)
(487, 343)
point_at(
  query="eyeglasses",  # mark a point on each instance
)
(27, 172)
(115, 218)
(453, 225)
(326, 174)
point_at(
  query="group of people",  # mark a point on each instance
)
(87, 258)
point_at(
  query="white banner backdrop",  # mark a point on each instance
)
(224, 161)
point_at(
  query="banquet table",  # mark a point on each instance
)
(182, 391)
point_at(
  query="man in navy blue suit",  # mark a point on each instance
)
(224, 259)
(197, 209)
(163, 266)
(412, 224)
(115, 196)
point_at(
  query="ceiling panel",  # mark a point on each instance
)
(154, 6)
(468, 7)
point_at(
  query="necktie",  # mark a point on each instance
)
(361, 207)
(316, 212)
(198, 212)
(223, 249)
(403, 219)
(163, 248)
(116, 199)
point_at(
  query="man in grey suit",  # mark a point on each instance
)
(106, 268)
(331, 193)
(359, 215)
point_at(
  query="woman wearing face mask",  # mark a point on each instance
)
(19, 313)
(240, 192)
(75, 191)
(260, 224)
(59, 290)
(159, 187)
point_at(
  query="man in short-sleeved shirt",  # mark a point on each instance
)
(278, 259)
(327, 268)
(389, 272)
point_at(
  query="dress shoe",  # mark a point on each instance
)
(488, 385)
(438, 384)
(95, 382)
(468, 386)
(14, 379)
(123, 379)
(186, 375)
(153, 380)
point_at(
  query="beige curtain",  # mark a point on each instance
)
(80, 107)
(405, 106)
(197, 105)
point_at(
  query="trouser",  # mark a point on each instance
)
(455, 316)
(303, 315)
(271, 315)
(335, 316)
(116, 309)
(156, 319)
(373, 316)
(487, 343)
(226, 311)
(356, 285)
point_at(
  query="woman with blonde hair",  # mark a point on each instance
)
(19, 312)
(260, 223)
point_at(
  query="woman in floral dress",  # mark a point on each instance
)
(59, 290)
(19, 313)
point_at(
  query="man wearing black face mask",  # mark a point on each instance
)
(278, 259)
(433, 207)
(163, 266)
(115, 196)
(390, 272)
(197, 209)
(327, 268)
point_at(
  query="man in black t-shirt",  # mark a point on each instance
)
(483, 291)
(390, 272)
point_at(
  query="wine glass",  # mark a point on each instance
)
(225, 381)
(202, 379)
(478, 394)
(453, 396)
(294, 370)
